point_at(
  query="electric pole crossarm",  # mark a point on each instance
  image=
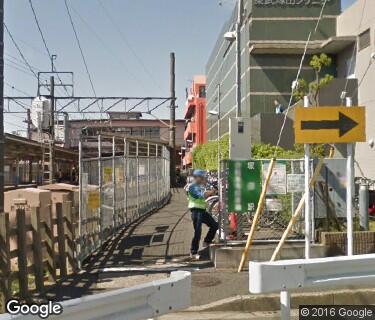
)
(92, 103)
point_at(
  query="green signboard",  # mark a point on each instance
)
(244, 185)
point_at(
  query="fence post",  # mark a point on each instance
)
(37, 249)
(22, 249)
(137, 162)
(61, 239)
(157, 173)
(148, 176)
(50, 242)
(80, 239)
(125, 180)
(114, 224)
(70, 234)
(5, 282)
(100, 188)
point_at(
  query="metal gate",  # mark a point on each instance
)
(120, 180)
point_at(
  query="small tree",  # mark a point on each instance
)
(317, 63)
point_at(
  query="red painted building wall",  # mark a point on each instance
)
(195, 116)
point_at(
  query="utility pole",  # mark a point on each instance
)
(2, 143)
(172, 122)
(52, 131)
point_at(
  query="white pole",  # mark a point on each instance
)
(349, 190)
(307, 192)
(219, 157)
(238, 58)
(285, 305)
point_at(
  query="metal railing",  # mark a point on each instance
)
(120, 179)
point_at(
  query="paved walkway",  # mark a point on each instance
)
(148, 250)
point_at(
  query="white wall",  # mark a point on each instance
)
(353, 21)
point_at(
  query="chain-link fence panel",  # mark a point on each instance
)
(125, 181)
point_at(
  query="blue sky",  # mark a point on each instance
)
(134, 63)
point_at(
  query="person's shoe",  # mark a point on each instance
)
(194, 257)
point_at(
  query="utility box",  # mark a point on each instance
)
(239, 139)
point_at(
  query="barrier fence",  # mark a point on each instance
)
(121, 180)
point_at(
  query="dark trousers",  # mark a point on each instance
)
(200, 216)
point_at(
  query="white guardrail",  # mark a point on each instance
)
(286, 275)
(139, 302)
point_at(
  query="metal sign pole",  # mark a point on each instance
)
(349, 190)
(307, 192)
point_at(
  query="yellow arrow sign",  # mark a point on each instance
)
(330, 125)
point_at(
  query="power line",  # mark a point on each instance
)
(20, 51)
(45, 44)
(127, 43)
(80, 48)
(299, 72)
(40, 30)
(14, 88)
(106, 47)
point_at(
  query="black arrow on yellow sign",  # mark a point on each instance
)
(344, 124)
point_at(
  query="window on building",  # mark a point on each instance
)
(364, 40)
(202, 92)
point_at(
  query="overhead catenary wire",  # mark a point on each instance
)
(128, 45)
(20, 51)
(107, 48)
(80, 48)
(45, 44)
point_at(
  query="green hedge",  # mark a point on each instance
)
(205, 156)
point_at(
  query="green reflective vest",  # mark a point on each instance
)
(196, 203)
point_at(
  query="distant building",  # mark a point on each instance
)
(195, 117)
(127, 124)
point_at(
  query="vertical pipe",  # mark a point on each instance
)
(157, 174)
(137, 165)
(100, 188)
(285, 305)
(148, 175)
(80, 203)
(125, 181)
(307, 192)
(349, 190)
(114, 223)
(238, 58)
(219, 158)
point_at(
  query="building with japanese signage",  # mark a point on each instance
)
(274, 34)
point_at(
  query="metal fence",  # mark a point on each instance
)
(120, 181)
(284, 194)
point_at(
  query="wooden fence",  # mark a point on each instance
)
(42, 253)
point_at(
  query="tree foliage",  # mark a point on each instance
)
(317, 63)
(205, 156)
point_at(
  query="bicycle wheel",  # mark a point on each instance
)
(213, 209)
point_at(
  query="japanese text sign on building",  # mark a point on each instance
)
(244, 185)
(290, 2)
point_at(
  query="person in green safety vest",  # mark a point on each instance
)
(197, 195)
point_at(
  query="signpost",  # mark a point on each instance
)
(330, 125)
(244, 185)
